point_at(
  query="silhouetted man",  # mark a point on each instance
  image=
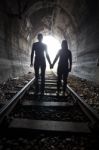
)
(64, 65)
(39, 48)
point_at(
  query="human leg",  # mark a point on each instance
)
(59, 77)
(43, 67)
(65, 76)
(36, 68)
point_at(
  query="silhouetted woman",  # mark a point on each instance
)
(64, 65)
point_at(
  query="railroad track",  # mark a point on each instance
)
(48, 113)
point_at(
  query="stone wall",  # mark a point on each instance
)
(88, 51)
(14, 48)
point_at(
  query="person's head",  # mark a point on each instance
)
(40, 37)
(64, 44)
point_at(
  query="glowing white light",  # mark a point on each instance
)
(53, 46)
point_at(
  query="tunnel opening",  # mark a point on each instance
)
(53, 46)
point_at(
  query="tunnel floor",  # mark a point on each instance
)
(50, 141)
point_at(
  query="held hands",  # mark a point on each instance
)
(31, 65)
(51, 66)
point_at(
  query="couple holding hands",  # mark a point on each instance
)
(64, 64)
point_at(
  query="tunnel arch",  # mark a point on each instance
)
(50, 8)
(75, 20)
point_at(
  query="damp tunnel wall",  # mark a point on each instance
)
(75, 20)
(14, 48)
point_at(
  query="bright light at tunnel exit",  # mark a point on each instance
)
(53, 46)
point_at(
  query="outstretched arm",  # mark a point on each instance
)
(56, 58)
(32, 54)
(47, 56)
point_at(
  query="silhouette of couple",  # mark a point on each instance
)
(64, 65)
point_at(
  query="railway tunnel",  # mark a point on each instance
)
(49, 121)
(76, 21)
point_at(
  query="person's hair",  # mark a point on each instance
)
(40, 35)
(64, 44)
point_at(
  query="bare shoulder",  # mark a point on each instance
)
(59, 51)
(44, 45)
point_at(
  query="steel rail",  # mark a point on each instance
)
(7, 108)
(87, 109)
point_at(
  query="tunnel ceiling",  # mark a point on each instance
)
(59, 17)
